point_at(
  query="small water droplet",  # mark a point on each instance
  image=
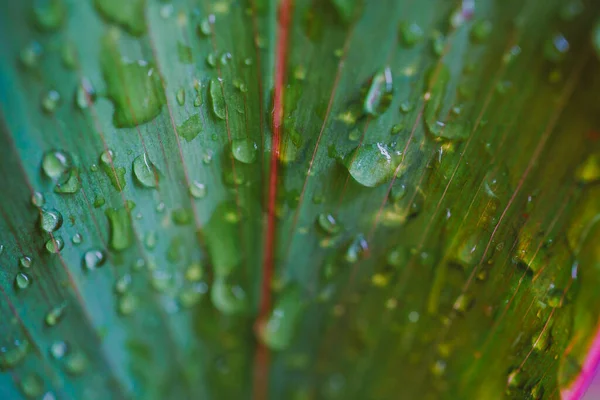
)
(50, 220)
(56, 164)
(180, 96)
(228, 297)
(55, 315)
(76, 363)
(122, 284)
(93, 259)
(58, 349)
(379, 95)
(30, 55)
(22, 281)
(463, 303)
(49, 15)
(85, 94)
(357, 249)
(556, 48)
(589, 171)
(77, 238)
(13, 354)
(217, 99)
(481, 30)
(50, 101)
(555, 298)
(31, 385)
(54, 245)
(25, 262)
(328, 224)
(37, 199)
(197, 190)
(410, 33)
(244, 150)
(145, 171)
(127, 304)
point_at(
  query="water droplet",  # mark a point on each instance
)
(50, 220)
(437, 43)
(194, 272)
(129, 14)
(371, 164)
(76, 363)
(379, 95)
(589, 171)
(70, 185)
(25, 262)
(190, 128)
(541, 340)
(99, 201)
(30, 55)
(50, 101)
(463, 303)
(56, 164)
(555, 298)
(204, 27)
(410, 33)
(58, 349)
(244, 150)
(357, 249)
(217, 99)
(121, 230)
(481, 30)
(54, 245)
(278, 330)
(127, 304)
(180, 96)
(77, 238)
(515, 379)
(31, 385)
(134, 87)
(122, 284)
(198, 190)
(55, 315)
(14, 354)
(438, 368)
(49, 15)
(114, 173)
(556, 48)
(93, 259)
(37, 199)
(182, 216)
(22, 281)
(85, 94)
(145, 171)
(328, 224)
(150, 240)
(191, 296)
(228, 297)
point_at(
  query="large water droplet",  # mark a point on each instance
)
(22, 281)
(371, 164)
(127, 14)
(145, 171)
(54, 245)
(217, 99)
(278, 330)
(134, 87)
(56, 164)
(50, 220)
(228, 297)
(198, 190)
(244, 150)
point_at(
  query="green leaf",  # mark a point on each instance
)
(308, 199)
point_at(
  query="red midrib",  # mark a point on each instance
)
(262, 356)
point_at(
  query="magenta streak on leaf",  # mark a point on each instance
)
(577, 389)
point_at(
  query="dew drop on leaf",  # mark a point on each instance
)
(13, 354)
(371, 164)
(22, 281)
(357, 249)
(328, 224)
(30, 55)
(93, 259)
(123, 283)
(49, 15)
(379, 95)
(127, 304)
(556, 48)
(54, 245)
(180, 96)
(481, 30)
(190, 128)
(50, 220)
(55, 314)
(70, 185)
(127, 14)
(198, 190)
(589, 171)
(244, 150)
(77, 238)
(58, 349)
(410, 33)
(85, 94)
(37, 199)
(144, 171)
(228, 297)
(278, 330)
(25, 262)
(121, 230)
(31, 385)
(75, 363)
(56, 164)
(50, 101)
(217, 98)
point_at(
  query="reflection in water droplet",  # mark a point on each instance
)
(50, 220)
